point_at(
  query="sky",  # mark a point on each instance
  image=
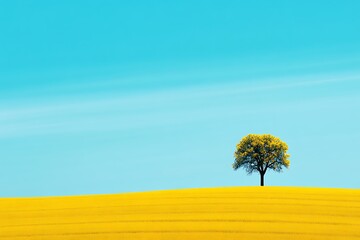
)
(125, 96)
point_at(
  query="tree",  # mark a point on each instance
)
(260, 152)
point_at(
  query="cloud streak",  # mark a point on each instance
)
(169, 107)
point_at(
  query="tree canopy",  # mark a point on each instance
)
(260, 152)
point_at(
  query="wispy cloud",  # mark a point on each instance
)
(164, 107)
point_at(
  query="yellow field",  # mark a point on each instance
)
(216, 213)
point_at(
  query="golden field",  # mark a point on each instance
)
(212, 213)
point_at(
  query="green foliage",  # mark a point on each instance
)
(260, 152)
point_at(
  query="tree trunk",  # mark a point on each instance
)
(262, 179)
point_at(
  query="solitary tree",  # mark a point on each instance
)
(260, 152)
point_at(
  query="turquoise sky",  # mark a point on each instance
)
(119, 96)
